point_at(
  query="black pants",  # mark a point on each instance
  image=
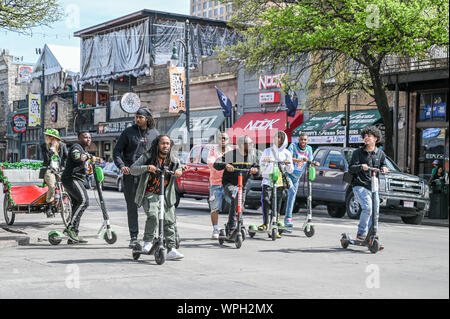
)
(232, 204)
(267, 202)
(80, 201)
(130, 185)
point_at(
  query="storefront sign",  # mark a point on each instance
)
(113, 127)
(25, 74)
(130, 102)
(54, 112)
(19, 123)
(177, 89)
(270, 81)
(34, 110)
(261, 124)
(269, 97)
(431, 132)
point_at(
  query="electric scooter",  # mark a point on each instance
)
(275, 226)
(371, 241)
(158, 248)
(308, 227)
(238, 234)
(109, 235)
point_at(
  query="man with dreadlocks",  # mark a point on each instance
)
(133, 142)
(149, 188)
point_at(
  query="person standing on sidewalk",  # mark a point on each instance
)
(215, 181)
(133, 142)
(363, 158)
(301, 153)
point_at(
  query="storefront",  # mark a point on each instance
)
(432, 131)
(326, 128)
(261, 127)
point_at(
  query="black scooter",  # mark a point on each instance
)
(109, 235)
(238, 234)
(158, 248)
(371, 241)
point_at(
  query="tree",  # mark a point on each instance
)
(22, 15)
(347, 39)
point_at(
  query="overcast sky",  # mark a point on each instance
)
(80, 15)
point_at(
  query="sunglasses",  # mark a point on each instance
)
(225, 138)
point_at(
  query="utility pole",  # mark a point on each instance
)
(186, 64)
(347, 122)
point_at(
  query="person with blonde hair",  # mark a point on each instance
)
(54, 153)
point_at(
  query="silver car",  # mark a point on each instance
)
(113, 177)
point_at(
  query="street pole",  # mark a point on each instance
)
(186, 64)
(395, 120)
(42, 101)
(347, 122)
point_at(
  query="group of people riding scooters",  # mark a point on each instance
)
(141, 151)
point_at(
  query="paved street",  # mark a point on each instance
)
(414, 264)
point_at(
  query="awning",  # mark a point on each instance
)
(204, 125)
(261, 127)
(326, 128)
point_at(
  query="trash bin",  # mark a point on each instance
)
(438, 201)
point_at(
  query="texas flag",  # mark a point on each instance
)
(225, 102)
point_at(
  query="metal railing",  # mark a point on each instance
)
(438, 59)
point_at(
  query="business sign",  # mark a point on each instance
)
(270, 81)
(54, 112)
(269, 97)
(25, 74)
(130, 102)
(431, 132)
(261, 124)
(19, 122)
(34, 110)
(177, 89)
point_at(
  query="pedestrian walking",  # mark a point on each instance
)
(133, 142)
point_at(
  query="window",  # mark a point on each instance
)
(210, 4)
(205, 5)
(194, 155)
(320, 156)
(199, 7)
(193, 8)
(210, 14)
(215, 12)
(204, 156)
(334, 156)
(222, 10)
(433, 107)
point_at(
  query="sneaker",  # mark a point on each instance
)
(133, 242)
(262, 227)
(288, 223)
(174, 255)
(360, 237)
(82, 241)
(71, 234)
(49, 211)
(147, 246)
(215, 234)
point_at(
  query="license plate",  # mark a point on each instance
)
(408, 204)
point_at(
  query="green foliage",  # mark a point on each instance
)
(22, 15)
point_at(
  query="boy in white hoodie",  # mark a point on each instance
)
(278, 152)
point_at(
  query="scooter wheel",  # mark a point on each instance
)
(54, 239)
(243, 234)
(135, 253)
(238, 241)
(274, 234)
(160, 255)
(344, 243)
(311, 231)
(374, 246)
(111, 240)
(251, 234)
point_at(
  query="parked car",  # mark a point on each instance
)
(401, 194)
(194, 182)
(113, 177)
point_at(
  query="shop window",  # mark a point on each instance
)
(431, 147)
(433, 107)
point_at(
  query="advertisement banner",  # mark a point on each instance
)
(177, 89)
(19, 123)
(34, 110)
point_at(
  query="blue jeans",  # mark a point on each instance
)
(292, 193)
(364, 197)
(215, 198)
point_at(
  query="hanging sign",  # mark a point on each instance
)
(54, 112)
(19, 123)
(34, 110)
(130, 102)
(177, 89)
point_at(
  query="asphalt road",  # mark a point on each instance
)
(414, 264)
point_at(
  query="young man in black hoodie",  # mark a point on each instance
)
(73, 179)
(363, 158)
(244, 157)
(133, 142)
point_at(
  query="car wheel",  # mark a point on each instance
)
(336, 211)
(352, 207)
(413, 220)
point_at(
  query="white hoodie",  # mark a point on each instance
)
(277, 154)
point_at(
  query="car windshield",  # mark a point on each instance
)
(392, 167)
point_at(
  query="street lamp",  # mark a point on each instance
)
(174, 59)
